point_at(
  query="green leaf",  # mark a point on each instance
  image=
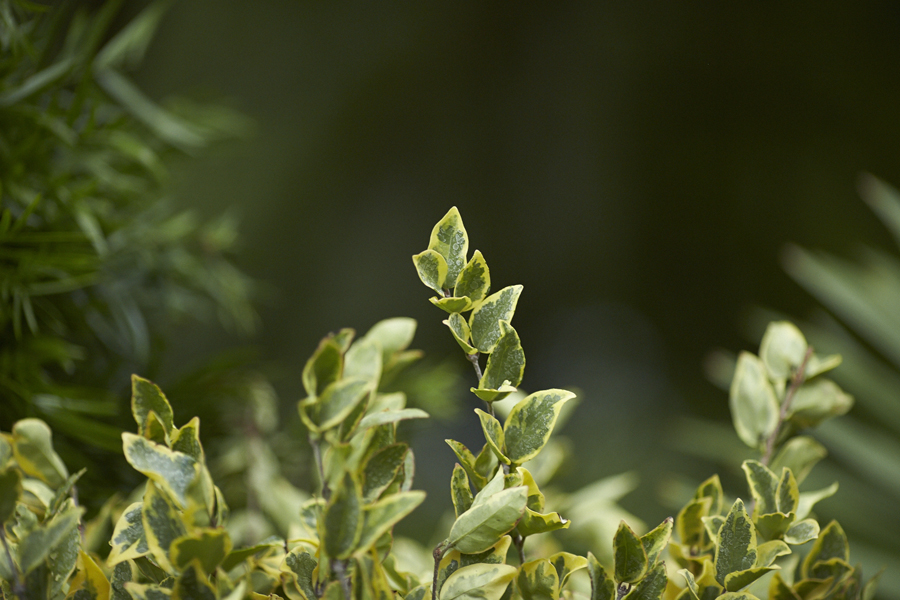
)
(493, 433)
(817, 401)
(162, 525)
(394, 335)
(6, 453)
(505, 365)
(147, 591)
(128, 539)
(453, 304)
(461, 332)
(474, 280)
(769, 551)
(208, 547)
(494, 512)
(565, 564)
(187, 440)
(602, 587)
(737, 581)
(391, 416)
(10, 491)
(533, 522)
(754, 407)
(773, 525)
(342, 522)
(530, 423)
(763, 485)
(736, 543)
(172, 471)
(691, 583)
(380, 517)
(300, 565)
(655, 541)
(486, 317)
(449, 239)
(800, 455)
(538, 580)
(810, 499)
(651, 587)
(782, 349)
(363, 361)
(467, 461)
(381, 468)
(478, 582)
(460, 491)
(324, 367)
(831, 543)
(43, 539)
(802, 532)
(689, 522)
(432, 269)
(713, 524)
(737, 596)
(33, 450)
(337, 401)
(453, 560)
(193, 583)
(89, 583)
(711, 488)
(631, 562)
(147, 397)
(122, 573)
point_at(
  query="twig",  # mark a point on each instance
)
(438, 555)
(473, 358)
(519, 542)
(796, 382)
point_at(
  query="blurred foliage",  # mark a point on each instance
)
(96, 265)
(862, 322)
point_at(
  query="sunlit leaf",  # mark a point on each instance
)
(485, 319)
(530, 423)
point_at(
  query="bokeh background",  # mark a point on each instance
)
(639, 167)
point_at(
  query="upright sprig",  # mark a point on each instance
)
(508, 505)
(773, 397)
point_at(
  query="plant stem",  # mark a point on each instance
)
(473, 358)
(519, 542)
(438, 555)
(339, 568)
(796, 382)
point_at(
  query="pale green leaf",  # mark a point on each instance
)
(810, 499)
(486, 317)
(381, 516)
(89, 582)
(478, 582)
(534, 522)
(493, 513)
(831, 544)
(802, 532)
(800, 455)
(394, 335)
(363, 361)
(817, 401)
(453, 304)
(33, 449)
(530, 423)
(734, 582)
(325, 366)
(754, 407)
(449, 239)
(474, 280)
(691, 583)
(301, 565)
(391, 416)
(337, 401)
(782, 349)
(767, 552)
(631, 562)
(787, 495)
(689, 522)
(381, 468)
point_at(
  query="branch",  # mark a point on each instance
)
(796, 382)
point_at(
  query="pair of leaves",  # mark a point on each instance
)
(546, 577)
(527, 428)
(776, 502)
(482, 332)
(635, 556)
(505, 366)
(493, 513)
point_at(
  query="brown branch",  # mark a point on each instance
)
(796, 382)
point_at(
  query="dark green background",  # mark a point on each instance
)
(638, 166)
